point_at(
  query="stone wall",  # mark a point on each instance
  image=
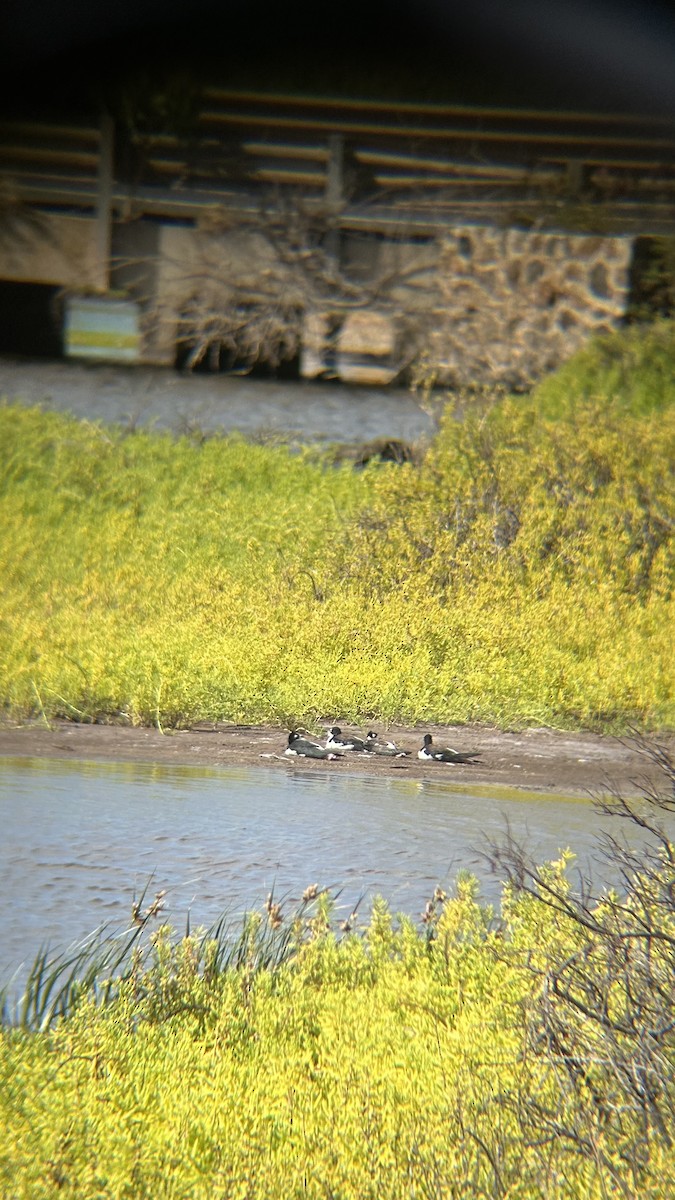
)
(479, 306)
(516, 304)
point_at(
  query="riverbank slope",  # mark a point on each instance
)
(530, 760)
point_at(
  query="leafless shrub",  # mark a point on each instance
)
(246, 292)
(601, 1024)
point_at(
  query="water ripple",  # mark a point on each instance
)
(79, 838)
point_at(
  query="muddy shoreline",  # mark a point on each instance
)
(532, 760)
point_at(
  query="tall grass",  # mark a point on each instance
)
(161, 968)
(520, 574)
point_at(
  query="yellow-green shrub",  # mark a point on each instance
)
(521, 574)
(395, 1063)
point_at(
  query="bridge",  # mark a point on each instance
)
(91, 203)
(377, 164)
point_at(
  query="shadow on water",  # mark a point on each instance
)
(81, 840)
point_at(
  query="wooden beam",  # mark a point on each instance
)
(349, 128)
(104, 195)
(481, 112)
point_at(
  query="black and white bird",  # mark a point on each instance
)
(304, 747)
(428, 754)
(374, 746)
(336, 740)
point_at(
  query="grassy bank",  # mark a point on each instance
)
(528, 1055)
(521, 574)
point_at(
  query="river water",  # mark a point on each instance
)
(162, 399)
(80, 841)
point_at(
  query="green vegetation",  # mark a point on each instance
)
(153, 577)
(654, 279)
(530, 1056)
(521, 573)
(633, 371)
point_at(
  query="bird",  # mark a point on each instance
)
(446, 755)
(304, 747)
(375, 747)
(335, 739)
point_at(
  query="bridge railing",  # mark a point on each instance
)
(374, 164)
